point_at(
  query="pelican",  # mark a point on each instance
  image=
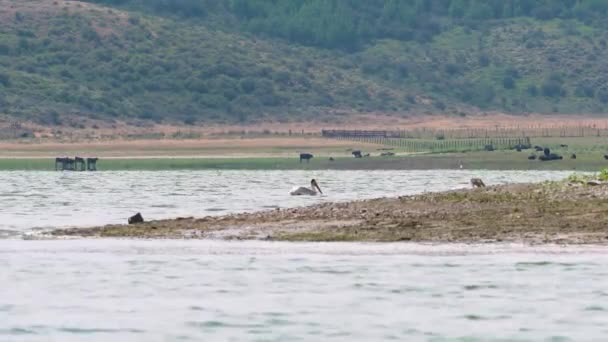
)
(306, 191)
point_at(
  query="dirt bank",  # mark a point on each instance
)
(530, 213)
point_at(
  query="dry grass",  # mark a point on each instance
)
(257, 147)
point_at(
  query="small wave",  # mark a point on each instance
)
(163, 206)
(17, 331)
(532, 263)
(594, 308)
(219, 324)
(97, 330)
(479, 287)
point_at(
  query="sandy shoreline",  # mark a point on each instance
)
(547, 213)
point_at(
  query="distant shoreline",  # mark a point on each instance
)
(498, 160)
(546, 213)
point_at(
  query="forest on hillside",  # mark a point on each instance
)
(199, 61)
(347, 24)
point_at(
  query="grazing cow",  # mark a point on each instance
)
(92, 164)
(532, 157)
(306, 156)
(79, 164)
(357, 154)
(520, 147)
(69, 164)
(573, 156)
(538, 148)
(606, 156)
(477, 183)
(60, 162)
(546, 151)
(550, 156)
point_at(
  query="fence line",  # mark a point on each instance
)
(474, 133)
(405, 142)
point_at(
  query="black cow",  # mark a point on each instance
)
(305, 156)
(520, 147)
(538, 148)
(532, 157)
(357, 154)
(79, 164)
(69, 164)
(550, 156)
(60, 162)
(92, 164)
(573, 156)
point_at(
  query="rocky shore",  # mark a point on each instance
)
(551, 212)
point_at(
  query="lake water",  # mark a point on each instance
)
(129, 290)
(72, 199)
(174, 290)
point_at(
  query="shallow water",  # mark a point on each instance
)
(124, 290)
(71, 199)
(171, 290)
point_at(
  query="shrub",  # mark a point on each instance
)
(5, 79)
(584, 90)
(508, 82)
(552, 88)
(4, 49)
(532, 90)
(247, 85)
(484, 60)
(452, 69)
(602, 95)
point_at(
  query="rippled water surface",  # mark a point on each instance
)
(64, 199)
(169, 290)
(123, 290)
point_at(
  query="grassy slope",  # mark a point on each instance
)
(67, 57)
(85, 59)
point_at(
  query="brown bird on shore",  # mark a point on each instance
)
(477, 183)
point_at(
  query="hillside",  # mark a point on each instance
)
(201, 61)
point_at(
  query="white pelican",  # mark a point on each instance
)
(306, 191)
